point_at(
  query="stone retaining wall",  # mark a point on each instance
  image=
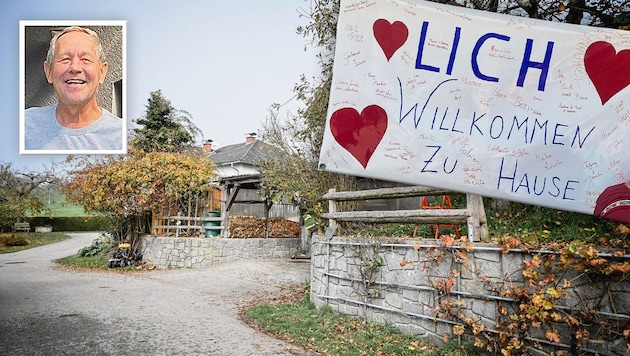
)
(201, 252)
(403, 282)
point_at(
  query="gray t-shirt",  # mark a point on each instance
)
(43, 132)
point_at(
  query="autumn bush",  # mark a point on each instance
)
(7, 240)
(126, 188)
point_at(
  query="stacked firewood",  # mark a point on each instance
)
(251, 227)
(279, 227)
(246, 227)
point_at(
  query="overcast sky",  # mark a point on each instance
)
(225, 62)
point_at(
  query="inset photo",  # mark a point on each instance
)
(72, 87)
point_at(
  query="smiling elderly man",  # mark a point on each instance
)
(76, 67)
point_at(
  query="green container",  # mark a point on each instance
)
(209, 224)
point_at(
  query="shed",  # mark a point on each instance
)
(240, 179)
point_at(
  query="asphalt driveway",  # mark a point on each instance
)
(48, 310)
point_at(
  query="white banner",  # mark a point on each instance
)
(477, 102)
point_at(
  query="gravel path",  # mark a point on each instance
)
(48, 310)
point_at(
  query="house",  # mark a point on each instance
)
(235, 192)
(239, 177)
(241, 159)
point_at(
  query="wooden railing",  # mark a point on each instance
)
(184, 225)
(474, 215)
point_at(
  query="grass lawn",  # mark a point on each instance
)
(18, 241)
(85, 262)
(96, 257)
(330, 333)
(58, 206)
(66, 210)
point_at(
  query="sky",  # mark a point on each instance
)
(225, 62)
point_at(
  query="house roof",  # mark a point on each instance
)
(249, 181)
(252, 153)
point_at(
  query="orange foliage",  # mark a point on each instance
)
(135, 183)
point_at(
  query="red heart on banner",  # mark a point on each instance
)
(609, 71)
(358, 133)
(390, 36)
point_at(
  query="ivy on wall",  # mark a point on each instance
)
(565, 302)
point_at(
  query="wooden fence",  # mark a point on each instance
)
(184, 226)
(474, 215)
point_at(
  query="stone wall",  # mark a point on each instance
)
(406, 282)
(202, 252)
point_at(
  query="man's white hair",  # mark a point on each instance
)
(50, 56)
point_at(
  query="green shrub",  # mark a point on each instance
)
(99, 247)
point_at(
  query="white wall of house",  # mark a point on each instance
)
(236, 169)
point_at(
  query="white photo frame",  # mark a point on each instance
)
(35, 36)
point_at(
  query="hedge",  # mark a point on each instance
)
(79, 223)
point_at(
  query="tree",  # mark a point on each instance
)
(600, 13)
(295, 174)
(164, 128)
(292, 175)
(19, 189)
(127, 188)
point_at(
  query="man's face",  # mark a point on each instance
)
(76, 71)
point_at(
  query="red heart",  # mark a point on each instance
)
(609, 71)
(390, 36)
(359, 134)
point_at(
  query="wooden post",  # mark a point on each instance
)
(225, 213)
(477, 222)
(154, 222)
(332, 208)
(268, 204)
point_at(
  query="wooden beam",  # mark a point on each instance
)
(249, 202)
(232, 196)
(421, 216)
(386, 193)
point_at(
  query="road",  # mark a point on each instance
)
(49, 310)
